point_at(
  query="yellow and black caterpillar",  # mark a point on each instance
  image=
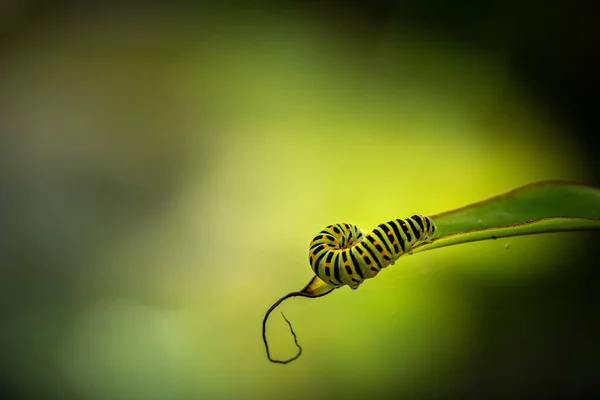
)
(342, 254)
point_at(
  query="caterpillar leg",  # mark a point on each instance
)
(427, 239)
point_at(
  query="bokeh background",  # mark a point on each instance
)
(163, 169)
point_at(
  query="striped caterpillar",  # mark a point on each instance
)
(342, 254)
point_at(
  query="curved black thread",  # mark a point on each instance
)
(264, 325)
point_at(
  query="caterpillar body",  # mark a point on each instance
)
(342, 254)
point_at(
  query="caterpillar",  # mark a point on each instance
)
(342, 254)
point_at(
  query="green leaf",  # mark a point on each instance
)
(541, 207)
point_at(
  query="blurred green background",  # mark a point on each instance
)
(163, 169)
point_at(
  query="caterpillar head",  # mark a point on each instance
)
(431, 224)
(428, 225)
